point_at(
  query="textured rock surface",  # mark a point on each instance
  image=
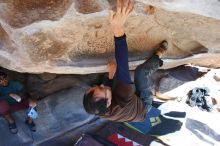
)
(39, 88)
(73, 36)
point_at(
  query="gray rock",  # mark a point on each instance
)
(39, 88)
(58, 114)
(47, 76)
(176, 77)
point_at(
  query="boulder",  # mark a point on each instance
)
(74, 36)
(39, 88)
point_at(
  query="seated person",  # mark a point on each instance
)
(13, 97)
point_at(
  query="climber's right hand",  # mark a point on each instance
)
(117, 19)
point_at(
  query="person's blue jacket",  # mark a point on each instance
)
(13, 87)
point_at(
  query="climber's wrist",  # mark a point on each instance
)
(118, 31)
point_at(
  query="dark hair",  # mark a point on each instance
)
(94, 107)
(3, 75)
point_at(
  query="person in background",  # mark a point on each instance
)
(13, 97)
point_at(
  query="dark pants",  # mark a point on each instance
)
(6, 108)
(141, 79)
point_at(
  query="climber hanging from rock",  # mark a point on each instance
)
(119, 102)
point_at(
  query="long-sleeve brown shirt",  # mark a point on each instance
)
(125, 106)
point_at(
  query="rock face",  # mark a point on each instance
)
(74, 36)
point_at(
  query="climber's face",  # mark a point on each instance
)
(101, 92)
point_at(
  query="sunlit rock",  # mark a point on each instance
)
(74, 36)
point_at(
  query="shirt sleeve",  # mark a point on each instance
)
(121, 56)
